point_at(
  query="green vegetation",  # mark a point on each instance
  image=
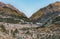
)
(9, 20)
(58, 18)
(28, 32)
(25, 29)
(14, 32)
(2, 28)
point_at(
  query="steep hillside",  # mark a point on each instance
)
(10, 12)
(54, 7)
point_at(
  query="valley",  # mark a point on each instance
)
(43, 24)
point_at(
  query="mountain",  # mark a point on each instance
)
(50, 8)
(47, 13)
(9, 11)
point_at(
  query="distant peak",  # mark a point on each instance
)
(1, 3)
(56, 3)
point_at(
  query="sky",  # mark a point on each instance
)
(28, 7)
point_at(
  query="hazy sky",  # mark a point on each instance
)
(28, 6)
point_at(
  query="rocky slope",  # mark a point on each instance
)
(47, 15)
(29, 31)
(52, 8)
(19, 31)
(8, 11)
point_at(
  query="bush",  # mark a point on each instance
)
(3, 28)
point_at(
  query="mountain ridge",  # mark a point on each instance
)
(9, 13)
(46, 9)
(3, 5)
